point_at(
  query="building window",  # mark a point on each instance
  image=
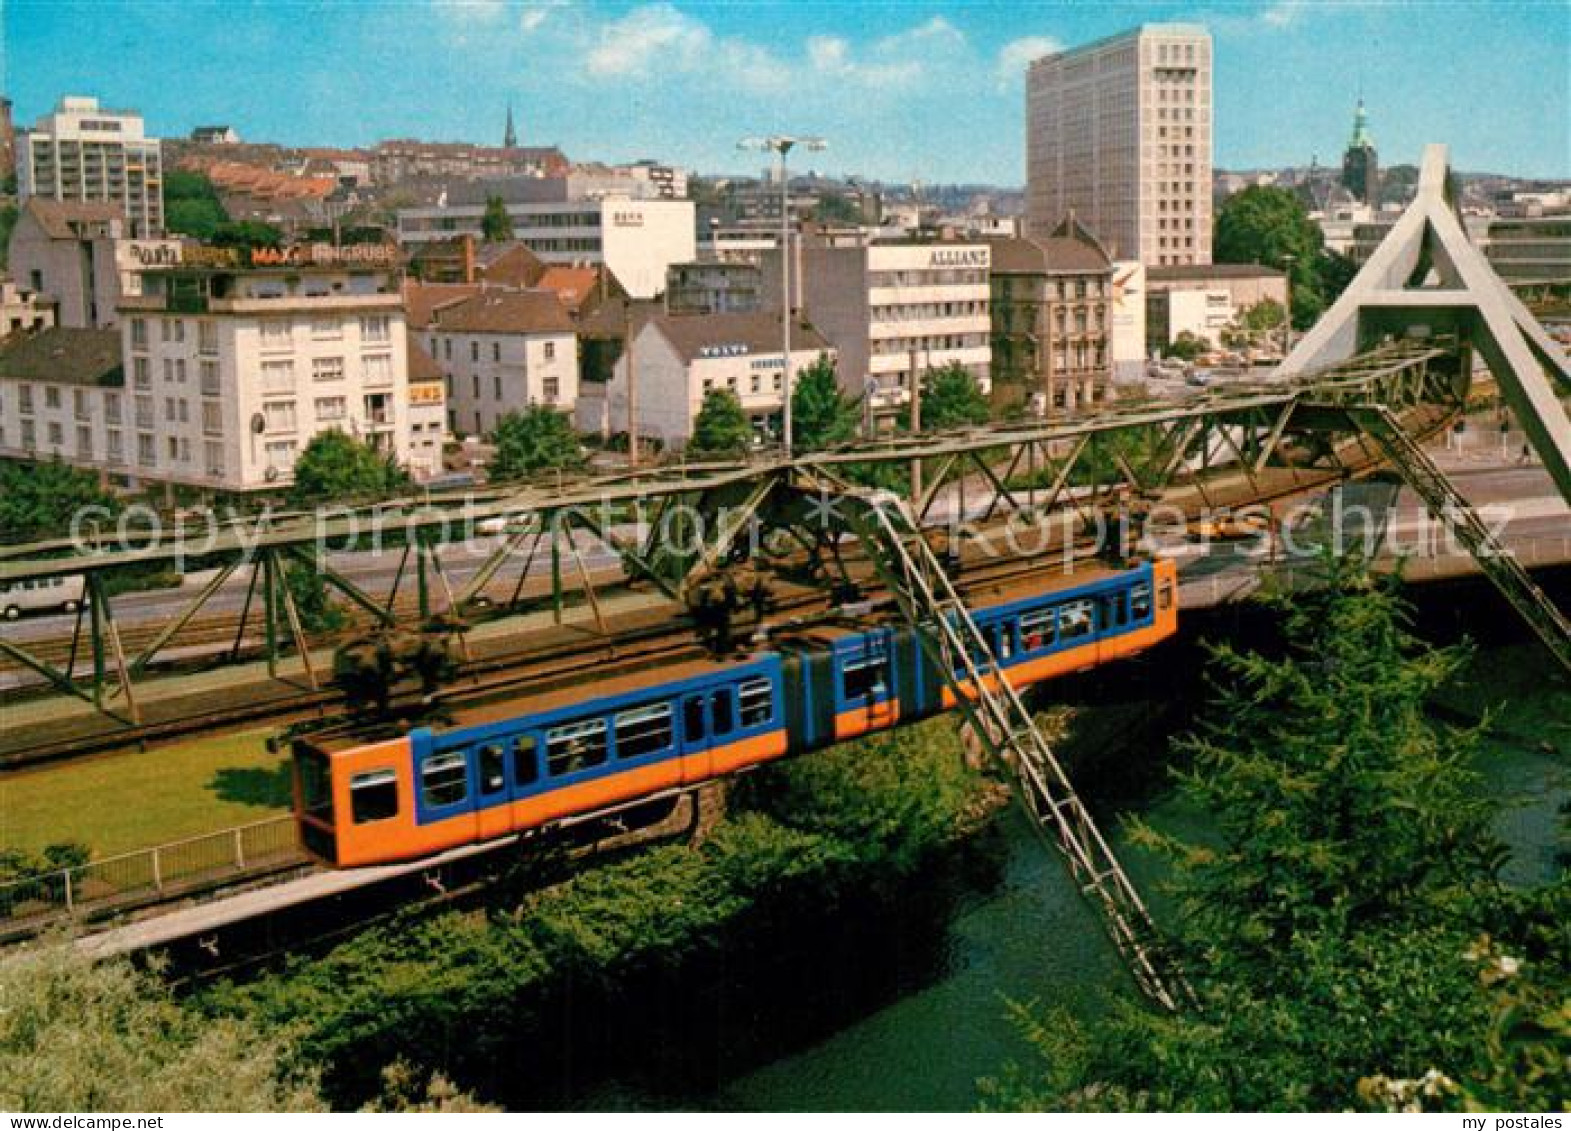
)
(550, 351)
(375, 328)
(496, 386)
(330, 408)
(276, 334)
(280, 453)
(377, 368)
(474, 382)
(24, 402)
(496, 351)
(551, 388)
(79, 403)
(55, 433)
(139, 333)
(326, 329)
(280, 416)
(29, 435)
(207, 336)
(112, 407)
(51, 396)
(142, 373)
(213, 418)
(209, 371)
(327, 369)
(146, 453)
(278, 376)
(474, 351)
(447, 348)
(180, 371)
(116, 453)
(144, 412)
(214, 451)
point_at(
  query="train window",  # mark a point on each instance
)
(575, 747)
(693, 728)
(526, 764)
(862, 678)
(720, 710)
(1074, 620)
(1140, 600)
(316, 784)
(493, 768)
(1036, 630)
(645, 730)
(756, 697)
(444, 779)
(373, 796)
(1115, 614)
(1004, 640)
(1164, 596)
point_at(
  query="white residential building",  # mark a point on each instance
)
(230, 371)
(1119, 132)
(637, 239)
(894, 308)
(60, 388)
(678, 359)
(503, 351)
(84, 152)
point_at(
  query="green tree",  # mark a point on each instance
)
(833, 208)
(79, 1035)
(1264, 317)
(1185, 347)
(246, 234)
(821, 415)
(39, 500)
(336, 467)
(191, 205)
(8, 215)
(1268, 225)
(1329, 922)
(496, 226)
(537, 439)
(951, 398)
(722, 425)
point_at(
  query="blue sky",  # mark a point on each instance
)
(902, 89)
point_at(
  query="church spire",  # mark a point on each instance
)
(1361, 138)
(510, 136)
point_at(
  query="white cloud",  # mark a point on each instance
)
(895, 60)
(1017, 54)
(1283, 14)
(472, 11)
(646, 35)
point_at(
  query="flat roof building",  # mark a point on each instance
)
(83, 152)
(1119, 132)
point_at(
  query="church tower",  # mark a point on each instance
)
(1360, 167)
(509, 135)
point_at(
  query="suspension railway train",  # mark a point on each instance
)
(528, 762)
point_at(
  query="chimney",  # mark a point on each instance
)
(469, 258)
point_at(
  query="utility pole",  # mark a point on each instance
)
(628, 333)
(916, 428)
(782, 144)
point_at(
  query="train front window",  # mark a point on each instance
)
(316, 784)
(1164, 597)
(493, 768)
(1140, 601)
(574, 747)
(756, 698)
(444, 779)
(373, 796)
(644, 730)
(693, 727)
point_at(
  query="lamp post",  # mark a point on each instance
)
(1287, 313)
(782, 144)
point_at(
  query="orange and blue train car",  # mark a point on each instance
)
(529, 762)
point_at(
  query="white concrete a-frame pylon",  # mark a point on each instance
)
(1427, 275)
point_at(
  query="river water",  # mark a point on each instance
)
(920, 1013)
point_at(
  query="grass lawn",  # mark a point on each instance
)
(127, 801)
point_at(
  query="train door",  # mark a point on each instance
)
(493, 797)
(697, 761)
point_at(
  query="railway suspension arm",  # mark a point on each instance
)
(951, 640)
(1448, 505)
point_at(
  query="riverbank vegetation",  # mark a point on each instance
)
(1343, 925)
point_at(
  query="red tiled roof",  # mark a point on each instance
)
(506, 312)
(423, 300)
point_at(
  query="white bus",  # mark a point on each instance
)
(48, 594)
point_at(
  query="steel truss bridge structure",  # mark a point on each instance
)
(882, 516)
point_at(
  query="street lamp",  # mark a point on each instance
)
(1287, 320)
(783, 144)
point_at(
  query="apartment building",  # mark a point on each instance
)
(1052, 306)
(677, 360)
(230, 370)
(59, 389)
(502, 351)
(893, 310)
(636, 239)
(1120, 132)
(78, 255)
(84, 152)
